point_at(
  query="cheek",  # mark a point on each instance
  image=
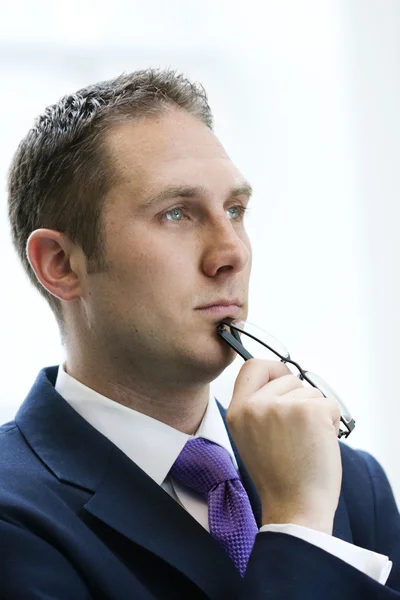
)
(157, 273)
(248, 245)
(143, 261)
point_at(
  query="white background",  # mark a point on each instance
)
(306, 97)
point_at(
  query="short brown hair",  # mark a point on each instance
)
(59, 176)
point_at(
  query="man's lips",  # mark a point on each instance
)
(222, 311)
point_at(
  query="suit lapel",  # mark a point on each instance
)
(244, 475)
(341, 523)
(124, 497)
(130, 502)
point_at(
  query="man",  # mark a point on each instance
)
(118, 477)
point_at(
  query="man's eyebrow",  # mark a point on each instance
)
(169, 193)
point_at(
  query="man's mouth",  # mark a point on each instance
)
(222, 309)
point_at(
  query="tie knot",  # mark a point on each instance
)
(202, 465)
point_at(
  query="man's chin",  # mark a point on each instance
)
(217, 362)
(206, 358)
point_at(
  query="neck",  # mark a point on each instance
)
(182, 408)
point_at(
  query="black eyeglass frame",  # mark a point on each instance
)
(234, 341)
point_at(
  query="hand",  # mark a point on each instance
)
(287, 437)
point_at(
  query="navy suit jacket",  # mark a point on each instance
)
(80, 521)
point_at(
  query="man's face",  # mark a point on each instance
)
(174, 242)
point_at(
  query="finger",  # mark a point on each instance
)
(335, 412)
(334, 409)
(288, 388)
(312, 401)
(256, 373)
(279, 387)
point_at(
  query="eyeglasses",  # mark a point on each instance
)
(232, 338)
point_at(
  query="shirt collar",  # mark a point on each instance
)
(152, 445)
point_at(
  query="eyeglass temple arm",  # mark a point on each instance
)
(234, 342)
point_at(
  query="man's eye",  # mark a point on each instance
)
(236, 212)
(175, 215)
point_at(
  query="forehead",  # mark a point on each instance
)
(171, 148)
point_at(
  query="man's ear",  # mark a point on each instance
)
(57, 262)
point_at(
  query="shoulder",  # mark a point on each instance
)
(369, 500)
(21, 470)
(362, 468)
(11, 442)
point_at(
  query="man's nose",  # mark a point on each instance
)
(226, 249)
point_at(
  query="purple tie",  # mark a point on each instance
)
(207, 469)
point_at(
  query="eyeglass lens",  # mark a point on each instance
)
(255, 335)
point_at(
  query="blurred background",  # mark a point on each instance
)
(306, 97)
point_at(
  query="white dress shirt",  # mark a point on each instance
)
(154, 447)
